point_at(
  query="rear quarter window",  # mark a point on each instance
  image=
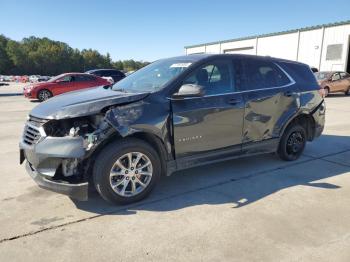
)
(301, 73)
(260, 74)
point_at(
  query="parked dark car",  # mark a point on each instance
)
(62, 84)
(171, 115)
(109, 74)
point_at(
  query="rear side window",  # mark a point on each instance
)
(115, 73)
(84, 78)
(107, 73)
(90, 78)
(262, 74)
(302, 74)
(344, 75)
(120, 74)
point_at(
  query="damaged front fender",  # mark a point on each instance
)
(130, 119)
(143, 117)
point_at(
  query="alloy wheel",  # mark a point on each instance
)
(44, 95)
(131, 174)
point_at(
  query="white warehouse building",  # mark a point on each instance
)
(325, 47)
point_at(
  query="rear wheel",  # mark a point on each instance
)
(44, 94)
(292, 143)
(126, 171)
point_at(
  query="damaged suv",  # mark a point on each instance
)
(173, 114)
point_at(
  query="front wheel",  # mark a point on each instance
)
(347, 92)
(292, 143)
(126, 171)
(44, 94)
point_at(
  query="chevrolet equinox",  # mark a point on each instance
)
(171, 115)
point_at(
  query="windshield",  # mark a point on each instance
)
(322, 75)
(152, 77)
(55, 78)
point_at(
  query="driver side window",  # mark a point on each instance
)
(214, 77)
(66, 79)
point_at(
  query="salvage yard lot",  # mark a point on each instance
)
(251, 209)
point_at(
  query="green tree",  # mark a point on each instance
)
(44, 56)
(5, 62)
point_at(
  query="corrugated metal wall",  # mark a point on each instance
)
(309, 47)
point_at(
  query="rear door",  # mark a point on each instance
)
(213, 121)
(91, 81)
(84, 81)
(270, 99)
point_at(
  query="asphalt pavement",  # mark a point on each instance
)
(252, 209)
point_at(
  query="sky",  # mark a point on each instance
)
(152, 29)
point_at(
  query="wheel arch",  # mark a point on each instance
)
(328, 88)
(304, 119)
(154, 141)
(157, 144)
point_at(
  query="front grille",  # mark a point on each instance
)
(33, 130)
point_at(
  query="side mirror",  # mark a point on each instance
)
(189, 90)
(108, 86)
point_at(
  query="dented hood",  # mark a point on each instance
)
(83, 103)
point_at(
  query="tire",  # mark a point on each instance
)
(292, 143)
(326, 91)
(107, 173)
(44, 94)
(347, 92)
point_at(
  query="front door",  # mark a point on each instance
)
(63, 85)
(213, 121)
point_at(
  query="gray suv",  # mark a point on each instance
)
(173, 114)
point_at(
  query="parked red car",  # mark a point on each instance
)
(24, 79)
(61, 84)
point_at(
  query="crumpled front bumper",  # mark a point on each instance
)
(46, 156)
(77, 191)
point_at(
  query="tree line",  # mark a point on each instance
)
(43, 56)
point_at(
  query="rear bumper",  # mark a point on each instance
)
(77, 191)
(319, 116)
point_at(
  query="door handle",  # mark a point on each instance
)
(234, 101)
